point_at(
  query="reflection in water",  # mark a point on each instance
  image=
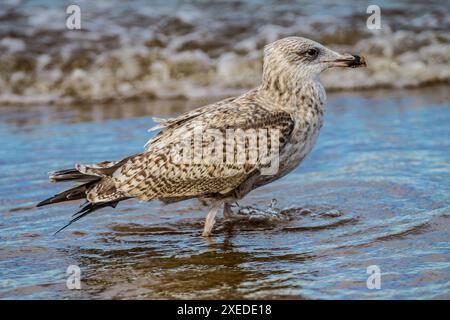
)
(77, 113)
(96, 112)
(161, 266)
(374, 191)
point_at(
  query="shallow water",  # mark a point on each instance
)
(374, 191)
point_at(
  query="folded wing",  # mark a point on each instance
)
(193, 156)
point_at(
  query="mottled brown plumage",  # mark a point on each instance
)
(175, 166)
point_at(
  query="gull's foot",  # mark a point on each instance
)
(227, 212)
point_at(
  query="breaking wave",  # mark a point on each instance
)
(195, 49)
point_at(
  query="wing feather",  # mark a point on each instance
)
(157, 173)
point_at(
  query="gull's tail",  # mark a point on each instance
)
(75, 193)
(91, 177)
(87, 209)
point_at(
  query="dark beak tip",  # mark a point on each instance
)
(359, 61)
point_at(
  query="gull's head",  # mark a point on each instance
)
(301, 57)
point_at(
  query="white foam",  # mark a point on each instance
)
(172, 50)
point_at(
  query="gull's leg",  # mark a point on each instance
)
(227, 213)
(210, 219)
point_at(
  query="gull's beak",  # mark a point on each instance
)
(348, 60)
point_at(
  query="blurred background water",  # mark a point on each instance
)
(374, 191)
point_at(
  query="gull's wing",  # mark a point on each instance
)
(157, 174)
(171, 122)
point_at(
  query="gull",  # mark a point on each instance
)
(174, 166)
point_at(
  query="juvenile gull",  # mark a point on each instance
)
(289, 101)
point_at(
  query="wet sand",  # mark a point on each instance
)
(374, 191)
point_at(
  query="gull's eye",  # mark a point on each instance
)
(312, 52)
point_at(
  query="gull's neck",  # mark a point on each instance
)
(286, 86)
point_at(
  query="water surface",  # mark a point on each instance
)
(374, 191)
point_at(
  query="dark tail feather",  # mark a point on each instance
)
(87, 209)
(75, 193)
(79, 192)
(70, 174)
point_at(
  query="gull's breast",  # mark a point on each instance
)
(308, 118)
(303, 140)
